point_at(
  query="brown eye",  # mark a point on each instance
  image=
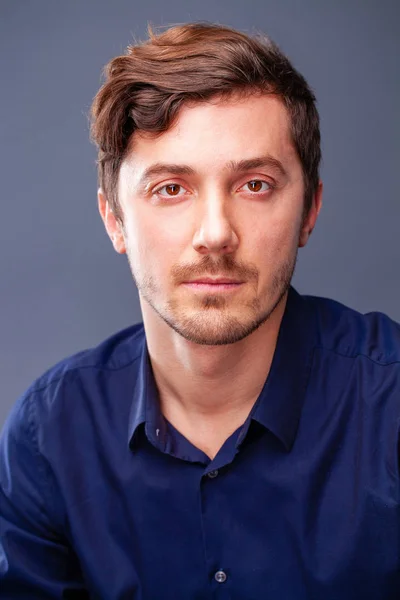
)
(256, 185)
(172, 189)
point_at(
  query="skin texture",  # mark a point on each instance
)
(211, 348)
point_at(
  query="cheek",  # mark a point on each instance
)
(276, 240)
(153, 251)
(274, 228)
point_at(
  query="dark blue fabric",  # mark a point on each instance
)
(102, 498)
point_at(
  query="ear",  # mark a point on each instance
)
(311, 219)
(111, 223)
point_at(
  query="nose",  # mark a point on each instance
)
(215, 232)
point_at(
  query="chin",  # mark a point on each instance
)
(213, 321)
(215, 330)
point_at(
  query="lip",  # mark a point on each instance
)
(216, 281)
(213, 286)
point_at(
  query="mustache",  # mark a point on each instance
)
(224, 266)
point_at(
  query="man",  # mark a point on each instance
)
(242, 442)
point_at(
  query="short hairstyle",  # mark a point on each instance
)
(145, 89)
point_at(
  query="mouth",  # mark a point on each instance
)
(208, 284)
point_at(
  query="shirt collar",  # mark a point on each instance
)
(145, 406)
(281, 400)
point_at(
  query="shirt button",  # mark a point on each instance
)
(211, 475)
(220, 576)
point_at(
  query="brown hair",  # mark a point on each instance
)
(145, 89)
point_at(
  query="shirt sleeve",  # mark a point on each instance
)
(35, 558)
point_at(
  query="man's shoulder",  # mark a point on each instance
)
(92, 384)
(114, 354)
(348, 332)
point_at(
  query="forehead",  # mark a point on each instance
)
(208, 135)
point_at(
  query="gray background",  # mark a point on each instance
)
(62, 287)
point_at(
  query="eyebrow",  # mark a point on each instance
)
(257, 163)
(233, 166)
(161, 169)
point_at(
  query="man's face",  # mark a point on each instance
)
(218, 197)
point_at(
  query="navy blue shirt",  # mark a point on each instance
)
(102, 498)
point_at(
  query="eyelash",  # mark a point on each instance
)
(158, 190)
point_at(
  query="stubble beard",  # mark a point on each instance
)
(211, 324)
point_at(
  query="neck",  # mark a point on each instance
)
(209, 382)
